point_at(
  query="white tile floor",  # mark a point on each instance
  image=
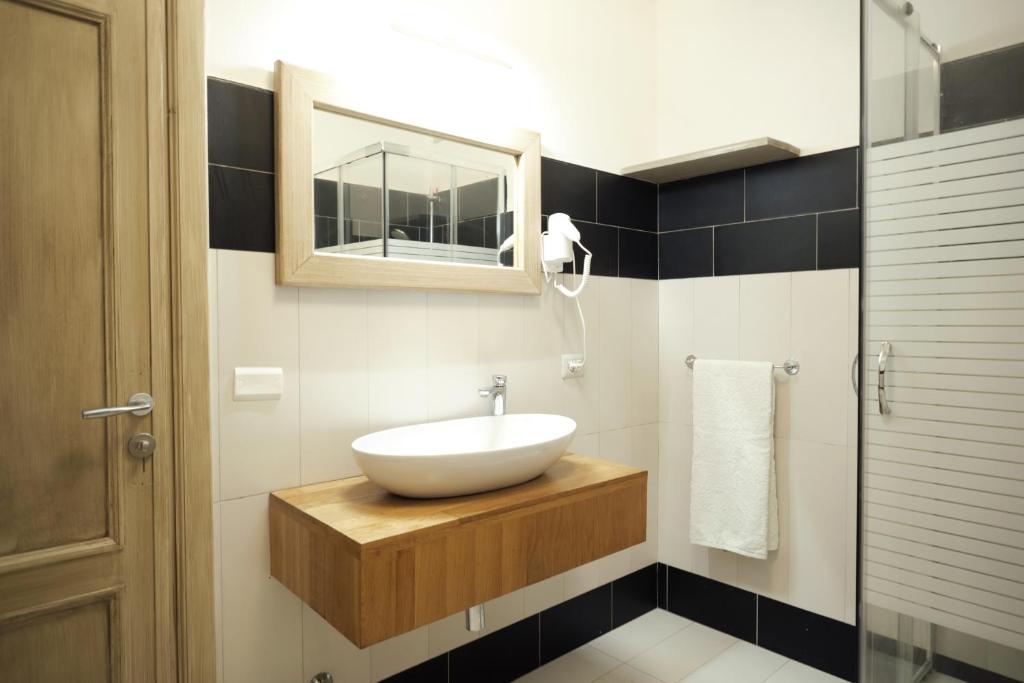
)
(661, 647)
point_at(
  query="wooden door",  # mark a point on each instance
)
(84, 561)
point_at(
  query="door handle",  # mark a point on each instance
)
(139, 404)
(883, 356)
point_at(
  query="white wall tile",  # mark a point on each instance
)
(543, 594)
(259, 440)
(817, 528)
(586, 444)
(723, 566)
(453, 375)
(261, 620)
(716, 318)
(852, 479)
(819, 393)
(390, 656)
(596, 573)
(643, 325)
(765, 316)
(853, 345)
(397, 331)
(449, 633)
(614, 445)
(580, 396)
(214, 349)
(333, 372)
(500, 336)
(614, 343)
(325, 649)
(675, 343)
(643, 453)
(505, 610)
(539, 383)
(765, 313)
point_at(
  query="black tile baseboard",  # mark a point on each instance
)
(527, 644)
(634, 595)
(575, 622)
(504, 655)
(662, 585)
(806, 637)
(810, 638)
(712, 603)
(430, 671)
(515, 650)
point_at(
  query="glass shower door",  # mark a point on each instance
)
(942, 377)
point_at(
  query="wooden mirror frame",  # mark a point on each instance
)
(299, 92)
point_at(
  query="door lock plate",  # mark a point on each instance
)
(142, 445)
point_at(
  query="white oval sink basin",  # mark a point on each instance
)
(458, 457)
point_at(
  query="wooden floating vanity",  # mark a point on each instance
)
(376, 565)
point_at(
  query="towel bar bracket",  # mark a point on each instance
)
(790, 366)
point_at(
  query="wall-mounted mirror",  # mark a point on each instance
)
(364, 201)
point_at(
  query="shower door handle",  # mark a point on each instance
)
(883, 357)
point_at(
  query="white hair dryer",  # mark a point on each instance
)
(556, 249)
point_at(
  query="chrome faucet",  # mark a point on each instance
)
(497, 393)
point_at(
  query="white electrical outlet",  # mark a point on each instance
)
(572, 365)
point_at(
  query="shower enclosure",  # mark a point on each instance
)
(942, 342)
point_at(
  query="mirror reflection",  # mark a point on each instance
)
(386, 191)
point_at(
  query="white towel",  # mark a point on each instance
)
(733, 504)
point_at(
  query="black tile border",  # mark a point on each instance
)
(712, 603)
(710, 225)
(520, 648)
(575, 622)
(240, 125)
(798, 634)
(680, 246)
(812, 639)
(502, 656)
(634, 595)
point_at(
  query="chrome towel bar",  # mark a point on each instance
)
(790, 366)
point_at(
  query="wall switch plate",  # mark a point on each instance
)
(572, 365)
(258, 384)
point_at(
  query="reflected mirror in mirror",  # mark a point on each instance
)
(389, 192)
